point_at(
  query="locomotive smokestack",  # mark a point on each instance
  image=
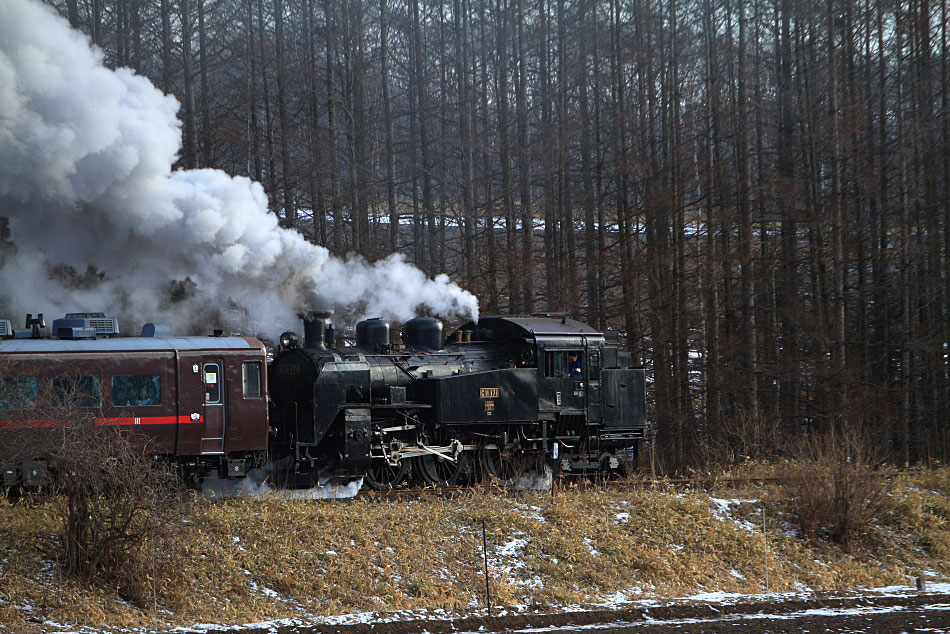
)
(314, 326)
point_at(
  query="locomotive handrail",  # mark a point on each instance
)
(399, 365)
(406, 405)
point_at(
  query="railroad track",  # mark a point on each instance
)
(582, 484)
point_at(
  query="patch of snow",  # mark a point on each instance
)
(616, 598)
(533, 513)
(267, 592)
(535, 582)
(735, 573)
(511, 548)
(622, 518)
(723, 512)
(590, 547)
(715, 597)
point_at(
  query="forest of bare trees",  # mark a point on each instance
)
(755, 195)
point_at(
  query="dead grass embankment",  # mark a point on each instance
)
(251, 560)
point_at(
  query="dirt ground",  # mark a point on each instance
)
(885, 615)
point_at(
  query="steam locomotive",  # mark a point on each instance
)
(505, 398)
(499, 399)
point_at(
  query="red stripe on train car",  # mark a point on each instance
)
(125, 420)
(148, 420)
(30, 423)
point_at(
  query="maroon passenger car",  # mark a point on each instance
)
(200, 401)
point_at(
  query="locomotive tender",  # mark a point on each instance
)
(502, 398)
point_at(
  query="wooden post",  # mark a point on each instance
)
(485, 555)
(765, 539)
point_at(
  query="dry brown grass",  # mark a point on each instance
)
(249, 560)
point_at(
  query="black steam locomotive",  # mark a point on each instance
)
(499, 400)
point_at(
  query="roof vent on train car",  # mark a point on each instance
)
(6, 329)
(423, 332)
(104, 326)
(156, 330)
(73, 328)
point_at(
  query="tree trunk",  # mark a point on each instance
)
(189, 145)
(388, 124)
(524, 165)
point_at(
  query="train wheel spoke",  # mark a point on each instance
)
(383, 476)
(442, 472)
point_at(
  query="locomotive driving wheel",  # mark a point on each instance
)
(383, 476)
(503, 467)
(441, 470)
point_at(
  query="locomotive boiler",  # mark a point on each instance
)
(499, 399)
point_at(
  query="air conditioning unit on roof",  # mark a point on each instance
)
(104, 326)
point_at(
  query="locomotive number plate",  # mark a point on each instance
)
(488, 392)
(289, 368)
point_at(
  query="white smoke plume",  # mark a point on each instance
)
(101, 222)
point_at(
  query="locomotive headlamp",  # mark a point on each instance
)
(289, 340)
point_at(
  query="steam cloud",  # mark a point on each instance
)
(100, 221)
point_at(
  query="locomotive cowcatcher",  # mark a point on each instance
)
(499, 399)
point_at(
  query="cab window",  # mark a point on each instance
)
(554, 364)
(564, 363)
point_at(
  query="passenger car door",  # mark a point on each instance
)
(215, 399)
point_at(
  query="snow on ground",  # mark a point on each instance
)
(532, 513)
(722, 510)
(767, 615)
(590, 546)
(505, 561)
(618, 600)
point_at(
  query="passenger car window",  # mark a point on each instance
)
(75, 391)
(130, 390)
(212, 383)
(18, 393)
(251, 380)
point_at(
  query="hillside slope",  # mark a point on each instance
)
(241, 561)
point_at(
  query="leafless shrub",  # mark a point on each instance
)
(115, 501)
(833, 489)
